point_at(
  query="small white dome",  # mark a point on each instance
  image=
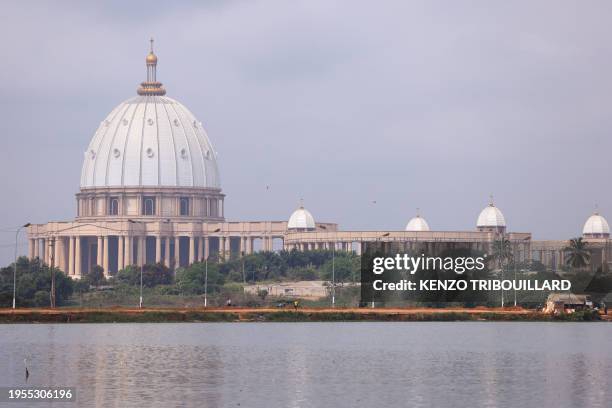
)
(417, 223)
(301, 219)
(491, 217)
(596, 225)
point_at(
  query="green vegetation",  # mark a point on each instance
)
(577, 253)
(186, 287)
(33, 285)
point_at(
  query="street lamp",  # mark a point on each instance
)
(334, 274)
(206, 275)
(143, 261)
(206, 281)
(15, 265)
(386, 234)
(333, 291)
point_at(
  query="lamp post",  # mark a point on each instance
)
(140, 249)
(206, 281)
(15, 265)
(333, 291)
(501, 266)
(386, 234)
(334, 274)
(206, 275)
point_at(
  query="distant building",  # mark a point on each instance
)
(566, 303)
(301, 289)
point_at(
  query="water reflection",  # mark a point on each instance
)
(313, 365)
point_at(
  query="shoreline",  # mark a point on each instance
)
(245, 314)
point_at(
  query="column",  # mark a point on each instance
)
(158, 249)
(228, 247)
(167, 252)
(77, 256)
(191, 250)
(249, 245)
(105, 256)
(242, 247)
(63, 258)
(127, 252)
(177, 252)
(142, 250)
(120, 250)
(56, 252)
(36, 248)
(71, 256)
(136, 251)
(99, 255)
(200, 248)
(30, 248)
(221, 247)
(206, 248)
(47, 250)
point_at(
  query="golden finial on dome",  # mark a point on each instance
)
(151, 86)
(151, 57)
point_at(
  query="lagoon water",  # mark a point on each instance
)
(386, 364)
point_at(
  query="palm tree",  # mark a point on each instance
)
(576, 253)
(502, 252)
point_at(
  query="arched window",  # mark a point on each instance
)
(113, 206)
(148, 205)
(184, 204)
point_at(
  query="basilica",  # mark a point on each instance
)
(150, 192)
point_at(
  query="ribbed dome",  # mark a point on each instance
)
(596, 225)
(417, 223)
(491, 216)
(301, 219)
(150, 140)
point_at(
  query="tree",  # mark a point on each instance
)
(33, 284)
(192, 278)
(502, 252)
(577, 253)
(152, 275)
(345, 268)
(96, 276)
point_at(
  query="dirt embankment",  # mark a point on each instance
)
(237, 314)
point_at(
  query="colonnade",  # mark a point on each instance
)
(321, 245)
(76, 255)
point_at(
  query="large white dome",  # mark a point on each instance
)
(491, 216)
(596, 226)
(150, 140)
(301, 219)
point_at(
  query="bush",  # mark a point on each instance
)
(42, 298)
(95, 277)
(152, 275)
(192, 279)
(33, 284)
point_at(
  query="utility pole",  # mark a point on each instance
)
(501, 265)
(15, 264)
(206, 281)
(334, 275)
(52, 268)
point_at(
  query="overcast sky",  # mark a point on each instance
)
(432, 104)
